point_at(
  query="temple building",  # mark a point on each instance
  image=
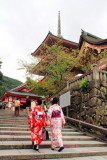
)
(50, 40)
(87, 42)
(94, 45)
(20, 92)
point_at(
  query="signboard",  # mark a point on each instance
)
(64, 99)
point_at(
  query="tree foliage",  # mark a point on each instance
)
(7, 84)
(57, 62)
(84, 85)
(56, 66)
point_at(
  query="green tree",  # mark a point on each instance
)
(57, 63)
(7, 84)
(56, 66)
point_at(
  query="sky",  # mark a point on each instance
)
(24, 24)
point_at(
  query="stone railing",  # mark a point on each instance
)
(94, 74)
(83, 125)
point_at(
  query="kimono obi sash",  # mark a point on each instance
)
(38, 115)
(56, 114)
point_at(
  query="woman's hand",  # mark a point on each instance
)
(62, 125)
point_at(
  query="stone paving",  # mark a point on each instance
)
(15, 142)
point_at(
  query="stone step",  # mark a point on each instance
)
(13, 125)
(5, 132)
(28, 138)
(47, 144)
(45, 153)
(14, 128)
(11, 114)
(13, 117)
(102, 157)
(14, 122)
(15, 141)
(27, 129)
(80, 158)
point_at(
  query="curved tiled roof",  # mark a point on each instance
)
(23, 93)
(91, 39)
(51, 37)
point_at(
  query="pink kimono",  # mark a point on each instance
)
(57, 120)
(37, 120)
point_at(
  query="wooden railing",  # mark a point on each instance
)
(82, 125)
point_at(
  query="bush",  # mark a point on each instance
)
(84, 85)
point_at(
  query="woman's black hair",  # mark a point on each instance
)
(55, 100)
(39, 101)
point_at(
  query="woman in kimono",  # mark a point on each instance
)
(37, 120)
(57, 122)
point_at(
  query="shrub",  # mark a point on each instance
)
(84, 85)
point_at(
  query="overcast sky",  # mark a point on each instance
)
(25, 23)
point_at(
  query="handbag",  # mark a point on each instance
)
(45, 135)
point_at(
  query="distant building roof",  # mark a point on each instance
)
(23, 93)
(92, 39)
(23, 85)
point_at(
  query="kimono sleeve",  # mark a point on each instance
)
(44, 119)
(31, 119)
(62, 116)
(49, 113)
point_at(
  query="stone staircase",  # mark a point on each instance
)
(15, 142)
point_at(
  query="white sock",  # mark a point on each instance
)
(34, 142)
(37, 147)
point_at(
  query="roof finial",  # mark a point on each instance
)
(59, 25)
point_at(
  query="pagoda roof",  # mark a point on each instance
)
(91, 39)
(50, 40)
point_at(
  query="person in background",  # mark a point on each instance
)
(37, 121)
(28, 105)
(17, 107)
(57, 122)
(33, 104)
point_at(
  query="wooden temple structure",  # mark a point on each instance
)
(95, 46)
(49, 41)
(87, 41)
(20, 92)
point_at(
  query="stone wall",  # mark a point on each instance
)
(89, 107)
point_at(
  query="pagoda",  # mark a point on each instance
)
(50, 40)
(87, 41)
